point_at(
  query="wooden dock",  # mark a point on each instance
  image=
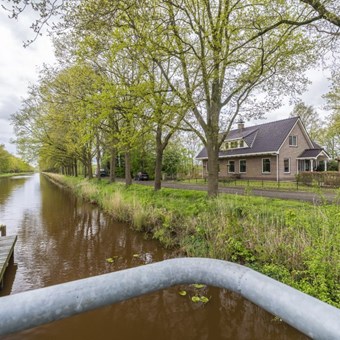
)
(7, 244)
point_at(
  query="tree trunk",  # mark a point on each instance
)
(159, 160)
(98, 158)
(89, 165)
(128, 179)
(212, 151)
(113, 165)
(158, 169)
(75, 167)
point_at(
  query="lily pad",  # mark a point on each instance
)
(182, 293)
(195, 299)
(204, 299)
(110, 260)
(198, 285)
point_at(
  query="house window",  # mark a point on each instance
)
(241, 145)
(286, 165)
(265, 165)
(292, 140)
(243, 165)
(233, 144)
(231, 166)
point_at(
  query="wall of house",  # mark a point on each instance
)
(254, 168)
(292, 152)
(254, 164)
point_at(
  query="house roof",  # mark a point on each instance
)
(313, 153)
(261, 139)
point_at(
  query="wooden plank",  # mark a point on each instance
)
(7, 244)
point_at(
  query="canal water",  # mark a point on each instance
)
(62, 238)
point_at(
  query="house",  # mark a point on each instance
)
(275, 151)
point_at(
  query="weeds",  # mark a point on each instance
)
(296, 243)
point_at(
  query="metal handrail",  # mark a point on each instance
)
(310, 316)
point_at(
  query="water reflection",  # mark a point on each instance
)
(7, 185)
(67, 239)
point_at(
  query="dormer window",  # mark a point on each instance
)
(234, 144)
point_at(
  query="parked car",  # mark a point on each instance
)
(142, 176)
(103, 173)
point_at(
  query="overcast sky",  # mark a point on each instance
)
(19, 67)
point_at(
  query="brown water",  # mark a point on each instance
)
(61, 238)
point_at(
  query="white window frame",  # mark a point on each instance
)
(243, 160)
(284, 167)
(228, 166)
(270, 168)
(293, 138)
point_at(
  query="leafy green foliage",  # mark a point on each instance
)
(12, 164)
(294, 242)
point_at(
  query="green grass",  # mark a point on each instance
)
(16, 174)
(258, 184)
(294, 242)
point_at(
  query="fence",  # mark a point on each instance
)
(312, 317)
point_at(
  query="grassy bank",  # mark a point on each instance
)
(294, 242)
(265, 185)
(13, 174)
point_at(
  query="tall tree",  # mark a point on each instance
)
(309, 117)
(221, 53)
(331, 134)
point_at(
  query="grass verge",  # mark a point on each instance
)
(13, 174)
(294, 242)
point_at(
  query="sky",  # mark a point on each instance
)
(19, 67)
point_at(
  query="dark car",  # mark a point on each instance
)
(142, 176)
(103, 173)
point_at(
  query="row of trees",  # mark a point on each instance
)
(12, 164)
(133, 74)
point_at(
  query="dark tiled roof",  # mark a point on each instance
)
(316, 145)
(310, 153)
(263, 138)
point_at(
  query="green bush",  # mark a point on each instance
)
(326, 178)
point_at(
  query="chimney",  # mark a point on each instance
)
(240, 124)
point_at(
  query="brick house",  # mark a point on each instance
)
(275, 151)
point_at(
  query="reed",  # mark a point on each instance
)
(294, 242)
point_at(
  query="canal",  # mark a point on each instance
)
(62, 238)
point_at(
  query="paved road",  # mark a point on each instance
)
(288, 195)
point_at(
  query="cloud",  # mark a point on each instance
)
(19, 67)
(6, 134)
(9, 105)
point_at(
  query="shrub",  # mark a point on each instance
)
(327, 178)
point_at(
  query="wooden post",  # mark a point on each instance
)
(2, 230)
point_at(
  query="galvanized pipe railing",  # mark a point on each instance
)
(32, 308)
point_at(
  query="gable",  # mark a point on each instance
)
(302, 138)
